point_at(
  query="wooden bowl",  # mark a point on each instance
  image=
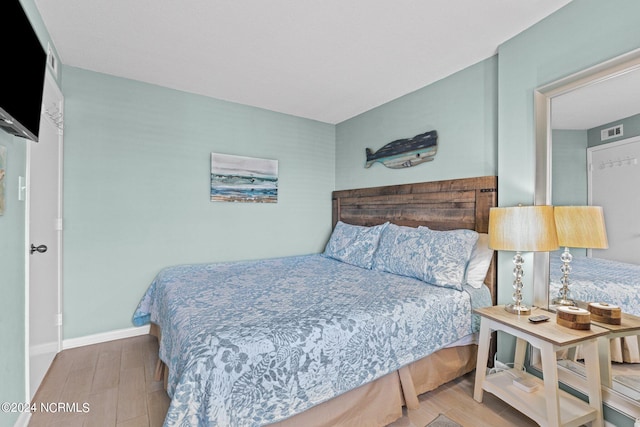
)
(573, 317)
(605, 313)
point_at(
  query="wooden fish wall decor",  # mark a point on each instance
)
(407, 152)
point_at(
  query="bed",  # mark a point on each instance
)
(345, 337)
(603, 280)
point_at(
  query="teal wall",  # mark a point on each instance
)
(562, 44)
(569, 167)
(631, 128)
(12, 259)
(462, 108)
(136, 190)
(569, 173)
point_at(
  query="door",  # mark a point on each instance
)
(44, 238)
(614, 175)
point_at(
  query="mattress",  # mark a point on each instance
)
(253, 343)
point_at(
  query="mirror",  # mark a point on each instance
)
(573, 121)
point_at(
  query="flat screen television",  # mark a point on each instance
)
(21, 73)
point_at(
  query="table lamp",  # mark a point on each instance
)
(521, 228)
(578, 227)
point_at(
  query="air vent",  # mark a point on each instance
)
(52, 62)
(612, 132)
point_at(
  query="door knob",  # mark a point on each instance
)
(41, 249)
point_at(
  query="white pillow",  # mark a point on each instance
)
(479, 262)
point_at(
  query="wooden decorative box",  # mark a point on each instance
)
(605, 313)
(573, 317)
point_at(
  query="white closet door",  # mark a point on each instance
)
(44, 210)
(614, 184)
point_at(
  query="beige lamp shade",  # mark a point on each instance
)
(581, 227)
(522, 228)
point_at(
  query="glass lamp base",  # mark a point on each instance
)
(563, 301)
(517, 309)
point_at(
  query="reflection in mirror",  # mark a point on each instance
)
(588, 153)
(577, 227)
(595, 152)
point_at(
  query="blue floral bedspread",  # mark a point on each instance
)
(252, 343)
(599, 280)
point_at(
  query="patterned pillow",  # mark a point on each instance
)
(448, 255)
(436, 257)
(479, 261)
(354, 244)
(401, 251)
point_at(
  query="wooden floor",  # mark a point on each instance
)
(115, 379)
(455, 400)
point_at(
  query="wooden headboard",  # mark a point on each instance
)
(439, 205)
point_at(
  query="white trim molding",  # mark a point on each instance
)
(47, 348)
(105, 336)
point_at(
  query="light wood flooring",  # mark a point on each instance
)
(116, 380)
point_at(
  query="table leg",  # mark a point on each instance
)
(550, 376)
(484, 339)
(604, 351)
(592, 366)
(521, 350)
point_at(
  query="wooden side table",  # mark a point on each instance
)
(629, 326)
(548, 405)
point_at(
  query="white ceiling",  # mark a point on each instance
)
(598, 103)
(327, 60)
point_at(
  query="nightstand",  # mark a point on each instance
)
(548, 405)
(629, 326)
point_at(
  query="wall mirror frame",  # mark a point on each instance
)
(543, 97)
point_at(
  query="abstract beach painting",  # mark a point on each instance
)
(243, 179)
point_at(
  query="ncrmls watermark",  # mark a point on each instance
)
(46, 407)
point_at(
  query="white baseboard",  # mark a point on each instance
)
(104, 337)
(47, 348)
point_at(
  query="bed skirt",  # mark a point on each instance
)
(625, 350)
(380, 402)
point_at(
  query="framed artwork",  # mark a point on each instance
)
(243, 179)
(3, 172)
